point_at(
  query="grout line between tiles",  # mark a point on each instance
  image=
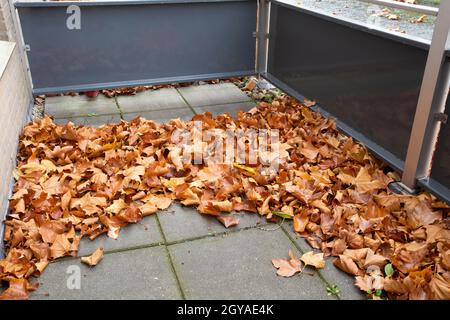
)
(215, 105)
(172, 265)
(301, 251)
(84, 116)
(167, 243)
(185, 101)
(118, 107)
(213, 235)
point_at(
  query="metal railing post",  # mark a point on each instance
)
(18, 38)
(262, 36)
(425, 128)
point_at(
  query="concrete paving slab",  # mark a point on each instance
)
(181, 223)
(330, 273)
(238, 266)
(231, 108)
(80, 106)
(136, 274)
(144, 233)
(226, 265)
(162, 116)
(166, 98)
(213, 94)
(94, 121)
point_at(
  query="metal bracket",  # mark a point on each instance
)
(441, 117)
(255, 34)
(400, 188)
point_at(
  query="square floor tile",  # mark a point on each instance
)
(182, 222)
(213, 94)
(144, 233)
(136, 274)
(166, 98)
(93, 121)
(161, 116)
(238, 266)
(80, 106)
(331, 274)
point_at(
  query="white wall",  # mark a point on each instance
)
(15, 102)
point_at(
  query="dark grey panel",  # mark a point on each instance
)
(376, 150)
(368, 80)
(138, 44)
(440, 171)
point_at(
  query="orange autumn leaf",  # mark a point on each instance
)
(228, 221)
(18, 290)
(313, 259)
(300, 222)
(347, 265)
(287, 268)
(94, 258)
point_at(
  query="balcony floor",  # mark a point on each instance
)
(179, 253)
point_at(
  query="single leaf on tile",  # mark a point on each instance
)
(313, 259)
(228, 221)
(287, 268)
(94, 258)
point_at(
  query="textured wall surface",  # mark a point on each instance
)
(15, 102)
(6, 22)
(15, 99)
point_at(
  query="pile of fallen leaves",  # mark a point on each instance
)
(76, 181)
(110, 93)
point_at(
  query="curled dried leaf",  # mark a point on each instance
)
(313, 259)
(94, 258)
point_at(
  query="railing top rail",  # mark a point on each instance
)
(95, 3)
(432, 11)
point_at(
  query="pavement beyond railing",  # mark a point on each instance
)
(386, 89)
(431, 11)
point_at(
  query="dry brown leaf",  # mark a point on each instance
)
(17, 290)
(308, 103)
(94, 258)
(287, 268)
(313, 259)
(440, 286)
(228, 221)
(346, 264)
(365, 183)
(117, 206)
(60, 247)
(300, 222)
